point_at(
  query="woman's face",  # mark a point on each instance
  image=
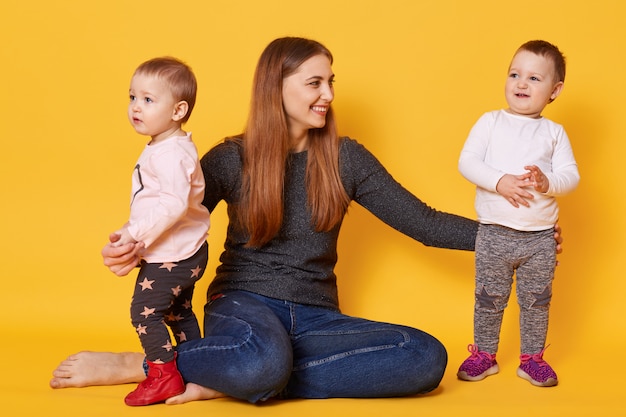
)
(307, 94)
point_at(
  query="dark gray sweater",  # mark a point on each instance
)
(298, 264)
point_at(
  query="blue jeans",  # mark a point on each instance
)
(255, 348)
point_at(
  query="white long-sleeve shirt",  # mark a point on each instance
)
(502, 143)
(166, 211)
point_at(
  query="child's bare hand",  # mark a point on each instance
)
(123, 237)
(512, 187)
(538, 178)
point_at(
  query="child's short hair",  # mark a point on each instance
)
(178, 76)
(546, 49)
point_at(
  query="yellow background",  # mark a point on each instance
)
(412, 78)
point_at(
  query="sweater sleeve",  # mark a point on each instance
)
(564, 177)
(472, 163)
(221, 167)
(370, 185)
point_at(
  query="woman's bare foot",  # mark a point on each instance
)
(194, 392)
(86, 368)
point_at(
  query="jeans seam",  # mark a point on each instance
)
(292, 314)
(342, 355)
(404, 334)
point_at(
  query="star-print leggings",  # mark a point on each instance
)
(163, 295)
(531, 256)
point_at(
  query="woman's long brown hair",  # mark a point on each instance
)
(266, 147)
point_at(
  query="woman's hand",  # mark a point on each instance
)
(121, 259)
(558, 238)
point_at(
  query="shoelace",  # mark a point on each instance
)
(537, 357)
(477, 354)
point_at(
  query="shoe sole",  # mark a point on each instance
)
(462, 375)
(550, 382)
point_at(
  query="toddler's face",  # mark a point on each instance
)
(152, 106)
(531, 84)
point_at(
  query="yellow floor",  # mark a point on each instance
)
(589, 387)
(413, 76)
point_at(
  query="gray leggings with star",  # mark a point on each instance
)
(502, 252)
(162, 297)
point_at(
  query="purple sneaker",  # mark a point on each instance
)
(478, 366)
(537, 371)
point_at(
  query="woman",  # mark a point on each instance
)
(272, 321)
